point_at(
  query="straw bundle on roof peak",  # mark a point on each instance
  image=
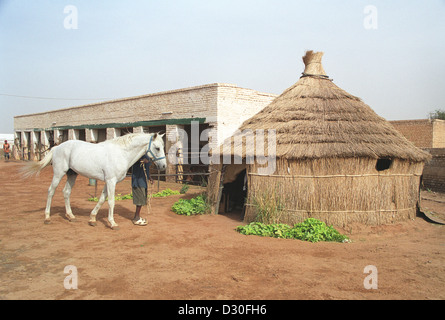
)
(314, 118)
(312, 62)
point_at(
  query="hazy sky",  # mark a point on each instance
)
(395, 63)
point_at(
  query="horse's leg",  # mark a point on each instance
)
(99, 204)
(71, 180)
(111, 187)
(52, 188)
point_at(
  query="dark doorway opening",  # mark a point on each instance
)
(234, 197)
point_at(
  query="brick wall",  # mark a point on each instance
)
(236, 105)
(423, 133)
(434, 171)
(419, 132)
(183, 103)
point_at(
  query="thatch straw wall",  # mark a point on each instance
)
(338, 191)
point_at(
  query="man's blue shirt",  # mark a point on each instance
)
(137, 173)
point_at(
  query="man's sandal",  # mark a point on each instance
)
(140, 222)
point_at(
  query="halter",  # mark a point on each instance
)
(151, 152)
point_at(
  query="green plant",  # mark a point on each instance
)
(311, 229)
(165, 193)
(197, 205)
(184, 188)
(125, 197)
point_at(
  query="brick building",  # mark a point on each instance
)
(423, 133)
(430, 136)
(220, 106)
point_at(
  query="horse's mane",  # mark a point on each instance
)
(125, 140)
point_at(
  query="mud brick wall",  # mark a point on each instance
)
(423, 133)
(419, 132)
(434, 171)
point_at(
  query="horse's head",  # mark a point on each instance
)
(156, 151)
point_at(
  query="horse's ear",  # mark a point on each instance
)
(155, 136)
(162, 135)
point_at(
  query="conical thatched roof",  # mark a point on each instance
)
(316, 119)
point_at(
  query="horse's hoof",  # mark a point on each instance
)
(47, 222)
(115, 228)
(70, 219)
(93, 224)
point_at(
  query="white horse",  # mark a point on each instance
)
(108, 161)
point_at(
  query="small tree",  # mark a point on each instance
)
(437, 114)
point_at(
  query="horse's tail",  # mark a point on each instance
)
(33, 168)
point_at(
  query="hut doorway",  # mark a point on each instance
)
(234, 192)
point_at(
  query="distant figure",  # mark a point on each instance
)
(7, 150)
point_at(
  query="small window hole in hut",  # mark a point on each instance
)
(234, 196)
(383, 164)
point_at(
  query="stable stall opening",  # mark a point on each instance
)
(191, 168)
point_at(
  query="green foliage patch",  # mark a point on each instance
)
(165, 193)
(194, 206)
(311, 229)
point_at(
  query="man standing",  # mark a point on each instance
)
(6, 149)
(139, 187)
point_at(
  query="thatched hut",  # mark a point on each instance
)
(336, 159)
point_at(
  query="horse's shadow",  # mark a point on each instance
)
(102, 215)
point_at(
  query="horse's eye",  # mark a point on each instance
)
(158, 149)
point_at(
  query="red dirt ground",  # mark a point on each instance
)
(200, 257)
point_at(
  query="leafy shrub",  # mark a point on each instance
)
(311, 229)
(165, 193)
(184, 188)
(197, 205)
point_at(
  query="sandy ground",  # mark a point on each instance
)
(200, 257)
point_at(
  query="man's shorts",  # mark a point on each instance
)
(139, 196)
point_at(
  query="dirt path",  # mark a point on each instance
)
(201, 257)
